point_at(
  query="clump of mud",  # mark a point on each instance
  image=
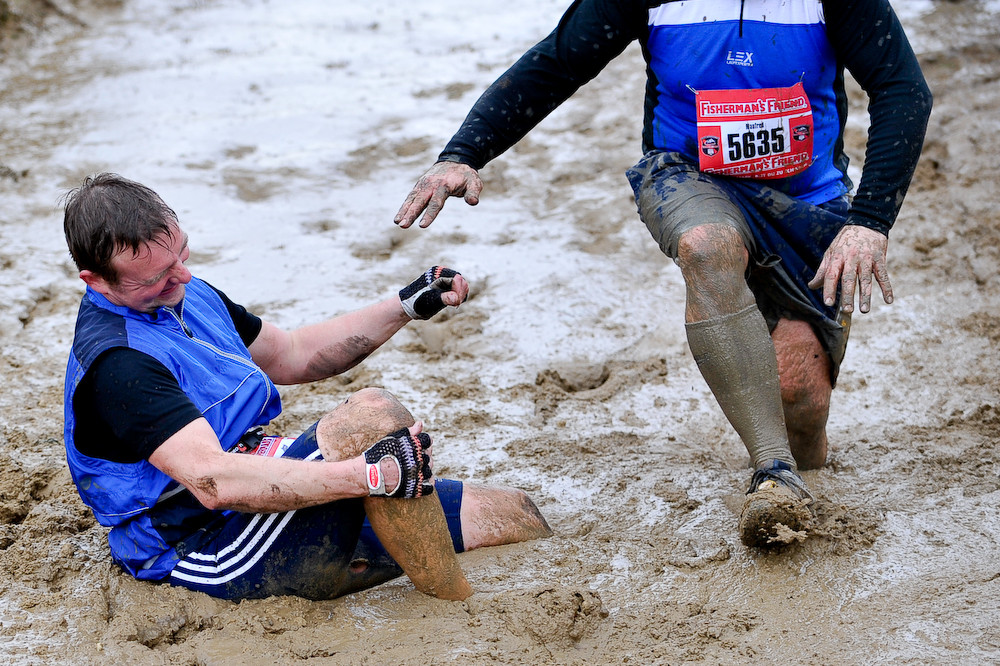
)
(772, 518)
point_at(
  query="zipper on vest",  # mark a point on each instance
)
(179, 317)
(233, 357)
(248, 363)
(742, 3)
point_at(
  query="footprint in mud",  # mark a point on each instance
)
(985, 324)
(597, 232)
(7, 173)
(384, 244)
(239, 152)
(381, 246)
(590, 381)
(580, 378)
(451, 335)
(19, 490)
(575, 377)
(41, 302)
(551, 615)
(690, 555)
(363, 163)
(249, 185)
(323, 226)
(203, 257)
(450, 91)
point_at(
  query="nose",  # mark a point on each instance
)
(181, 274)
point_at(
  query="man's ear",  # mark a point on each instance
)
(95, 281)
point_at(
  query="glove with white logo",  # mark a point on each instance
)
(421, 298)
(411, 454)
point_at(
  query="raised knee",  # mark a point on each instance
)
(360, 421)
(373, 398)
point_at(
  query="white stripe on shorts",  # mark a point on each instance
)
(239, 556)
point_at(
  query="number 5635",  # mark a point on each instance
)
(750, 144)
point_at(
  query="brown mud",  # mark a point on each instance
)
(621, 445)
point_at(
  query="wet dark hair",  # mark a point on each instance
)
(108, 214)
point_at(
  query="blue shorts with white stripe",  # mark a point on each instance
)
(320, 552)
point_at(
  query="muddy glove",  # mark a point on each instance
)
(411, 454)
(421, 299)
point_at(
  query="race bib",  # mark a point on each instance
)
(761, 134)
(272, 447)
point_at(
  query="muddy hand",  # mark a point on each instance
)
(854, 257)
(443, 180)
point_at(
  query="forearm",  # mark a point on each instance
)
(336, 345)
(243, 482)
(257, 484)
(870, 41)
(516, 102)
(899, 121)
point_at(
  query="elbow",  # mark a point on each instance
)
(206, 490)
(925, 96)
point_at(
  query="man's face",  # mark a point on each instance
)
(150, 279)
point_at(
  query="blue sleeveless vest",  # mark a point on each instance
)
(200, 346)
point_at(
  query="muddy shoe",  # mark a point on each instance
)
(775, 511)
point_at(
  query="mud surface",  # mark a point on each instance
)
(287, 134)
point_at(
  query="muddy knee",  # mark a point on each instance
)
(708, 248)
(360, 421)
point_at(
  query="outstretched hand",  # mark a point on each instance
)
(443, 180)
(854, 257)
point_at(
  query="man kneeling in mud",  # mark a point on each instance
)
(168, 386)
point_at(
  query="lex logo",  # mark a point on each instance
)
(739, 58)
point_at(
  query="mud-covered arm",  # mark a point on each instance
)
(243, 482)
(330, 347)
(869, 40)
(590, 34)
(327, 348)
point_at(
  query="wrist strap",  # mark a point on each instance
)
(376, 482)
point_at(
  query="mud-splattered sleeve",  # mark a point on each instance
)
(870, 42)
(590, 34)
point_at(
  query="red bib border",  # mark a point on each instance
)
(762, 133)
(272, 447)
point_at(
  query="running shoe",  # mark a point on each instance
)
(775, 511)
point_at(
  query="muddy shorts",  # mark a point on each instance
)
(320, 552)
(786, 237)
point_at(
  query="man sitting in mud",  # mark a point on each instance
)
(168, 386)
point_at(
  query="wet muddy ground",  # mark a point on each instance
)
(286, 135)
